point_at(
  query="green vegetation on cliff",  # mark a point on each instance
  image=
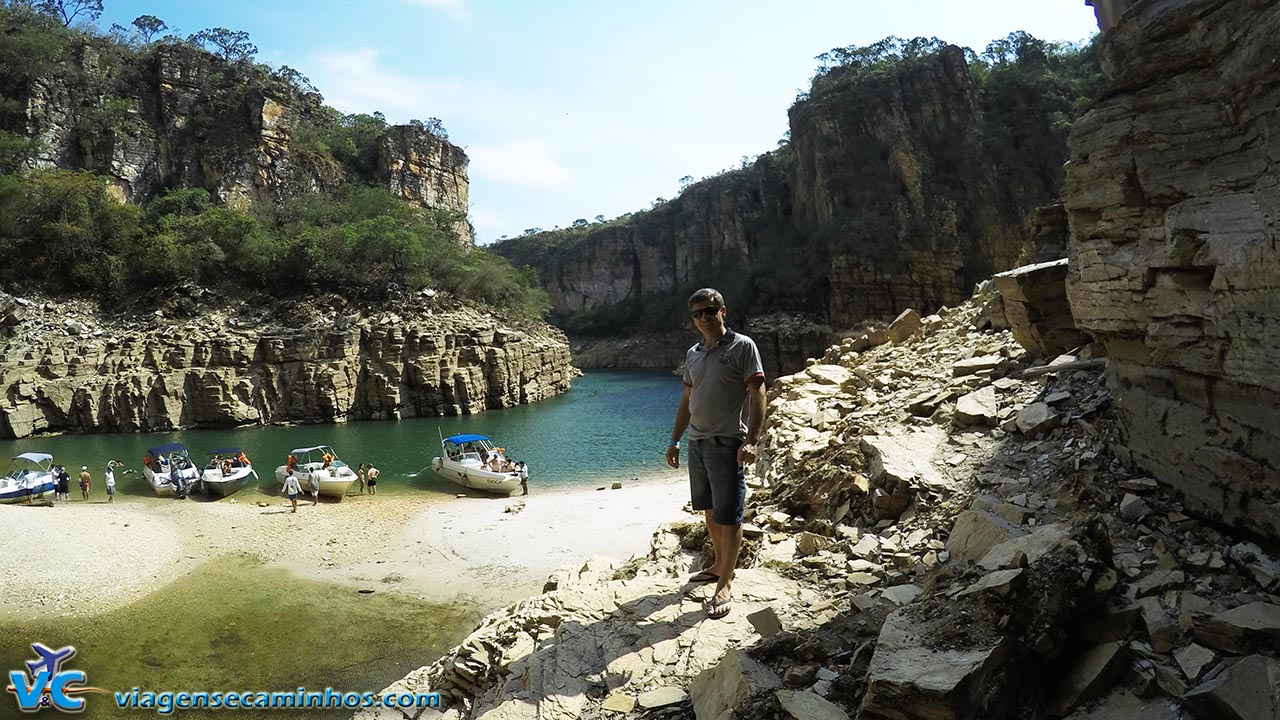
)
(73, 237)
(329, 223)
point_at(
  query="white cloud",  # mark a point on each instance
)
(352, 82)
(453, 8)
(527, 163)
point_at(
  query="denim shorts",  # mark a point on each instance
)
(716, 480)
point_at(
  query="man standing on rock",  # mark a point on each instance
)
(723, 381)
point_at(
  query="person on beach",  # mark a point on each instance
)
(360, 475)
(109, 481)
(292, 488)
(64, 484)
(315, 487)
(84, 481)
(723, 381)
(373, 479)
(524, 477)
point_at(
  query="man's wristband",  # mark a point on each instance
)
(674, 443)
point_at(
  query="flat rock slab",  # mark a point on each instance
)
(908, 457)
(1242, 629)
(1244, 691)
(1031, 546)
(977, 532)
(978, 407)
(910, 679)
(661, 697)
(806, 705)
(975, 365)
(724, 687)
(1092, 674)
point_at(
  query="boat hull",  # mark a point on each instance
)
(214, 482)
(163, 486)
(476, 479)
(13, 494)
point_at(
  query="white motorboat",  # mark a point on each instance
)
(170, 470)
(468, 461)
(29, 478)
(334, 475)
(227, 471)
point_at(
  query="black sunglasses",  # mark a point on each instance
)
(704, 312)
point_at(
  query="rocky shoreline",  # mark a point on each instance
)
(67, 367)
(937, 530)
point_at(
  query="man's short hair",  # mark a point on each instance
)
(710, 295)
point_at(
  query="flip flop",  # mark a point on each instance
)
(704, 576)
(717, 610)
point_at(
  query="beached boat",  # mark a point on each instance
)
(29, 478)
(228, 470)
(461, 461)
(334, 475)
(170, 470)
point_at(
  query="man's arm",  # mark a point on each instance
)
(682, 423)
(755, 419)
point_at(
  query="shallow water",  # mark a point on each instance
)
(237, 625)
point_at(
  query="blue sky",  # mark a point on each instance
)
(572, 109)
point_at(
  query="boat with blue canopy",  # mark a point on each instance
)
(170, 470)
(474, 462)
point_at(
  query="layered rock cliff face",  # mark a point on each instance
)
(426, 358)
(894, 168)
(900, 187)
(1173, 194)
(179, 117)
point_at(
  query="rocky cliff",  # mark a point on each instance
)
(902, 186)
(174, 116)
(1172, 198)
(63, 368)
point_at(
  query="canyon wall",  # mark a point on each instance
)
(60, 375)
(1173, 194)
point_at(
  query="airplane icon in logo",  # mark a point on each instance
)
(49, 659)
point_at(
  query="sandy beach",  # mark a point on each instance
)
(89, 557)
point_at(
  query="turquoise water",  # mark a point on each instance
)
(610, 425)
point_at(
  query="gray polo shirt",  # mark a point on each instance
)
(718, 376)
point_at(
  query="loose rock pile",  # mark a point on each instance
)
(937, 530)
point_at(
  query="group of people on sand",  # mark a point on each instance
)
(62, 482)
(292, 487)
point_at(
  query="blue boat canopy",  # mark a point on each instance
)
(225, 451)
(460, 439)
(159, 450)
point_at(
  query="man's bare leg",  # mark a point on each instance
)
(726, 540)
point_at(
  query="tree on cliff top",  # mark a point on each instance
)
(230, 45)
(66, 11)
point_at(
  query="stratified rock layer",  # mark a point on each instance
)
(1172, 192)
(449, 362)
